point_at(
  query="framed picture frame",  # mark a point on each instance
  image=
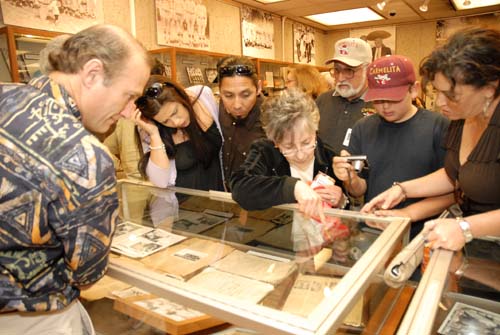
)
(195, 76)
(381, 38)
(211, 74)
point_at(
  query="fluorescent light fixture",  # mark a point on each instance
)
(269, 1)
(346, 16)
(425, 6)
(469, 4)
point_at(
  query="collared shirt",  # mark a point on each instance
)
(238, 136)
(337, 117)
(58, 202)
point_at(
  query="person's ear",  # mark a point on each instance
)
(491, 89)
(259, 87)
(414, 90)
(92, 72)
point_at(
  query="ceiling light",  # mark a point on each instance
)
(468, 4)
(381, 5)
(346, 16)
(269, 1)
(425, 6)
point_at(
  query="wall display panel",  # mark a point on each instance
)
(62, 16)
(381, 39)
(257, 29)
(182, 23)
(304, 45)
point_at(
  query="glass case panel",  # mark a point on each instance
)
(434, 309)
(28, 55)
(273, 271)
(4, 62)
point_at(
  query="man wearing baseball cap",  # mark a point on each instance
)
(341, 107)
(401, 141)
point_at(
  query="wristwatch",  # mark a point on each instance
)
(465, 226)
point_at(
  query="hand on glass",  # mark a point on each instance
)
(385, 200)
(444, 233)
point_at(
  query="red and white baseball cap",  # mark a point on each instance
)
(389, 78)
(352, 52)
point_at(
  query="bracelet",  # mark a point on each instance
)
(160, 147)
(397, 183)
(460, 271)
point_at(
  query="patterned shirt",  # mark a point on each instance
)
(58, 201)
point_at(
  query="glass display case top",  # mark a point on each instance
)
(273, 271)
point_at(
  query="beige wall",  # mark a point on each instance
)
(413, 40)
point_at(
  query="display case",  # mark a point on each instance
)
(437, 309)
(20, 48)
(190, 67)
(271, 271)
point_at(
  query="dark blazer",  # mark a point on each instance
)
(264, 180)
(383, 52)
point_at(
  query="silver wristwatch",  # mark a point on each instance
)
(465, 226)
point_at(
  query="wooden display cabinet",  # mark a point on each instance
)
(20, 48)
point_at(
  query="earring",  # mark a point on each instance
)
(487, 103)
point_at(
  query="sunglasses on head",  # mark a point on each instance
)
(239, 70)
(152, 92)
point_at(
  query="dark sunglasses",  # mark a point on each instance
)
(239, 70)
(151, 92)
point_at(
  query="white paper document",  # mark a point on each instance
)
(137, 241)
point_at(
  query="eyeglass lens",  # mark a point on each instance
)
(347, 72)
(304, 148)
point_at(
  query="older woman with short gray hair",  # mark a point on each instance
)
(280, 169)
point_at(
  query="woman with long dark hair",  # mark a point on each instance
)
(180, 135)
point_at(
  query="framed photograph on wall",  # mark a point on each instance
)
(182, 23)
(211, 74)
(257, 32)
(195, 76)
(52, 15)
(381, 39)
(303, 44)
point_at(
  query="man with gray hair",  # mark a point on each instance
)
(341, 107)
(58, 203)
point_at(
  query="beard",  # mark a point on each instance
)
(350, 91)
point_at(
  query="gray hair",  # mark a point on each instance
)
(281, 113)
(54, 44)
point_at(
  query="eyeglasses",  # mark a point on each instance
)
(152, 92)
(304, 148)
(239, 70)
(347, 72)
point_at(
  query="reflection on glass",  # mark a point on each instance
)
(275, 257)
(4, 61)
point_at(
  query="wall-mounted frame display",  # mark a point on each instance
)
(53, 15)
(211, 74)
(303, 44)
(195, 76)
(381, 39)
(257, 31)
(182, 23)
